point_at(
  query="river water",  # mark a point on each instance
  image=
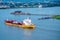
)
(47, 29)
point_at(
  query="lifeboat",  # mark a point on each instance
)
(18, 24)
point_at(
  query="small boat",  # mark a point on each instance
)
(20, 13)
(18, 24)
(17, 12)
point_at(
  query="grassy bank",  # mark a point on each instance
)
(56, 17)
